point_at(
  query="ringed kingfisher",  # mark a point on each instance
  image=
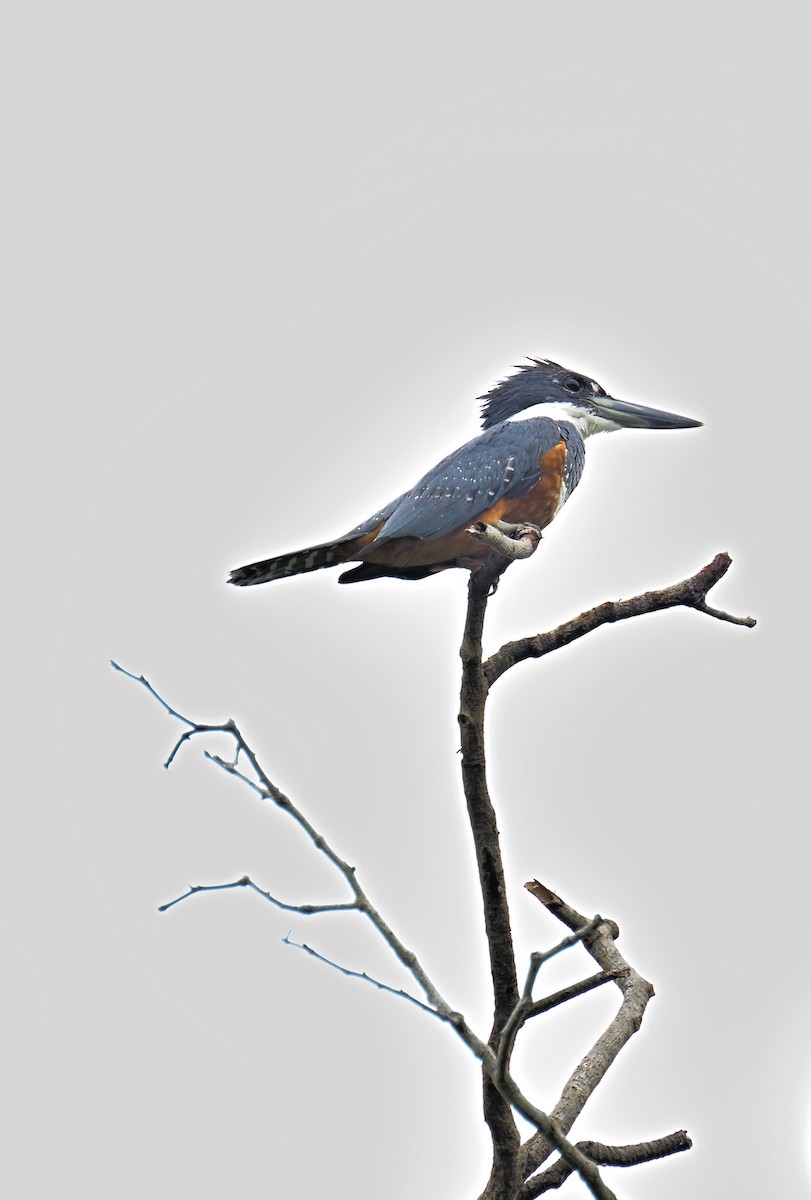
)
(519, 471)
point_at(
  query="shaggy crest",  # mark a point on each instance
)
(538, 381)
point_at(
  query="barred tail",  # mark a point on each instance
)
(298, 563)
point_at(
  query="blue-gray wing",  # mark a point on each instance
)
(502, 461)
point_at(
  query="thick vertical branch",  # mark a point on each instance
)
(504, 1179)
(515, 1173)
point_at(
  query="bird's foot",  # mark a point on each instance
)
(508, 540)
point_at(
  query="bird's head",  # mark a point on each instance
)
(551, 390)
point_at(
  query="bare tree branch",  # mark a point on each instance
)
(690, 593)
(194, 727)
(363, 975)
(231, 768)
(504, 1177)
(549, 1129)
(505, 1092)
(606, 1156)
(500, 1092)
(519, 1014)
(564, 995)
(636, 992)
(508, 1161)
(306, 910)
(514, 1174)
(361, 903)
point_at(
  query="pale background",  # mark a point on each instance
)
(259, 264)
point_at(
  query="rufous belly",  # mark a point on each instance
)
(537, 507)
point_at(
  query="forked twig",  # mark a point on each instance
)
(515, 1174)
(689, 593)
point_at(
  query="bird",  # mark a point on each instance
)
(521, 469)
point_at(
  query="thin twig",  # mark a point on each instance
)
(573, 939)
(305, 910)
(268, 790)
(519, 1014)
(569, 993)
(689, 593)
(145, 683)
(720, 615)
(231, 769)
(363, 975)
(195, 727)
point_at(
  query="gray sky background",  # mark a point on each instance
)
(259, 264)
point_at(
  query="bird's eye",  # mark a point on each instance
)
(571, 384)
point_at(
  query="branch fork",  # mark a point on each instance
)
(515, 1173)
